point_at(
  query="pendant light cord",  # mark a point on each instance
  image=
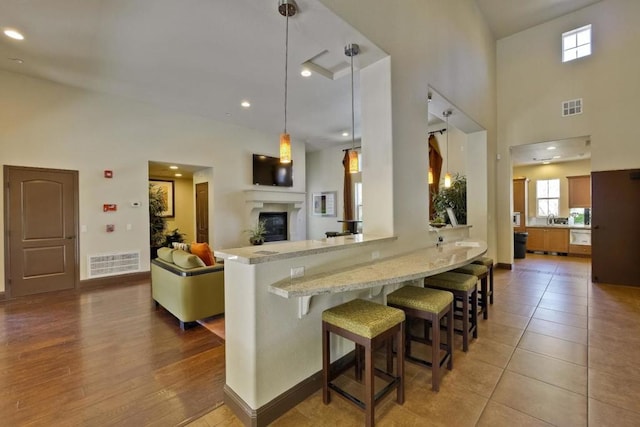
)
(353, 114)
(286, 70)
(447, 168)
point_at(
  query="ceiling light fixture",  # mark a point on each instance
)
(14, 34)
(352, 50)
(17, 60)
(178, 175)
(286, 8)
(245, 104)
(173, 167)
(546, 163)
(305, 73)
(345, 133)
(447, 176)
(551, 148)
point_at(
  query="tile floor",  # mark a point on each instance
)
(556, 350)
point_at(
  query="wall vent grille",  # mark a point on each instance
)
(572, 107)
(112, 264)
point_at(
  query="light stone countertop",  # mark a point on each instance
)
(572, 227)
(285, 250)
(410, 266)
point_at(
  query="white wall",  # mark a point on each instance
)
(532, 83)
(55, 126)
(445, 45)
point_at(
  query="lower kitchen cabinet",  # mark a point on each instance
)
(548, 239)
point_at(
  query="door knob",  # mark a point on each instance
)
(70, 237)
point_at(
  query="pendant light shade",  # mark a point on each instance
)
(285, 148)
(286, 8)
(352, 50)
(354, 167)
(430, 175)
(447, 176)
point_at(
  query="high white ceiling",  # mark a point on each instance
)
(558, 151)
(205, 57)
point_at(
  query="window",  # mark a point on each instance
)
(357, 198)
(576, 43)
(548, 196)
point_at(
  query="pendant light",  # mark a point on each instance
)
(447, 176)
(286, 8)
(352, 50)
(430, 175)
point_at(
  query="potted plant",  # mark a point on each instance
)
(256, 234)
(454, 197)
(175, 236)
(157, 223)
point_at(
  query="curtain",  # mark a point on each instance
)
(435, 164)
(347, 196)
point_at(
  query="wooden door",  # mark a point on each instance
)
(202, 212)
(520, 202)
(615, 230)
(42, 216)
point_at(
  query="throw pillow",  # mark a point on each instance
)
(182, 246)
(204, 252)
(184, 259)
(166, 254)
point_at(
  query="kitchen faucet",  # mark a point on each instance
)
(550, 219)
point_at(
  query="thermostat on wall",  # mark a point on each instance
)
(135, 204)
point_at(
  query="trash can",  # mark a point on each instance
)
(520, 245)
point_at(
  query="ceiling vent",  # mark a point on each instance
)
(572, 107)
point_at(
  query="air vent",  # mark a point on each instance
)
(572, 107)
(113, 264)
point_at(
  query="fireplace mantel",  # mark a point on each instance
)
(258, 198)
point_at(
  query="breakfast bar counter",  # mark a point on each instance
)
(400, 268)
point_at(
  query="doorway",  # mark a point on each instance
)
(41, 208)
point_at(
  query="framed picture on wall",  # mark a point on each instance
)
(168, 192)
(324, 204)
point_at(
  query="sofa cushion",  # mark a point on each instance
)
(184, 259)
(204, 252)
(166, 254)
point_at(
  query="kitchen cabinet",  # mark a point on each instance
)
(548, 239)
(579, 191)
(520, 202)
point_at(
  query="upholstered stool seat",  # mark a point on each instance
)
(430, 305)
(487, 262)
(481, 272)
(464, 289)
(368, 325)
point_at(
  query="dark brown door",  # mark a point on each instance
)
(202, 212)
(615, 227)
(41, 207)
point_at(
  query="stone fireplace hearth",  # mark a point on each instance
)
(284, 203)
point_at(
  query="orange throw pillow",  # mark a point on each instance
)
(204, 252)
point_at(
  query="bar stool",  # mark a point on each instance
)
(487, 262)
(431, 305)
(464, 288)
(368, 325)
(481, 272)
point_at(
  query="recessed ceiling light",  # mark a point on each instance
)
(178, 174)
(17, 60)
(551, 148)
(546, 163)
(173, 167)
(305, 73)
(345, 133)
(245, 104)
(13, 34)
(556, 157)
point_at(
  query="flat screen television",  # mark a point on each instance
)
(269, 171)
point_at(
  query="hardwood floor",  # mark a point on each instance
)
(104, 357)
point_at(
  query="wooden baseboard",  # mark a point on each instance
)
(273, 410)
(504, 266)
(122, 279)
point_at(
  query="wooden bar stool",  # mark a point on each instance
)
(431, 305)
(481, 272)
(368, 325)
(464, 289)
(487, 262)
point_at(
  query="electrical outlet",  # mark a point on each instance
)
(297, 272)
(375, 254)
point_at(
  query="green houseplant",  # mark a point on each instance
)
(454, 197)
(157, 223)
(256, 234)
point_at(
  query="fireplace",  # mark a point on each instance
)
(276, 225)
(285, 204)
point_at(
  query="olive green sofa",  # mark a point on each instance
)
(189, 294)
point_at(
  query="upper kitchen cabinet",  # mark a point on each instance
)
(520, 203)
(579, 191)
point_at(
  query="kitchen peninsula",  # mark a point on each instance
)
(273, 333)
